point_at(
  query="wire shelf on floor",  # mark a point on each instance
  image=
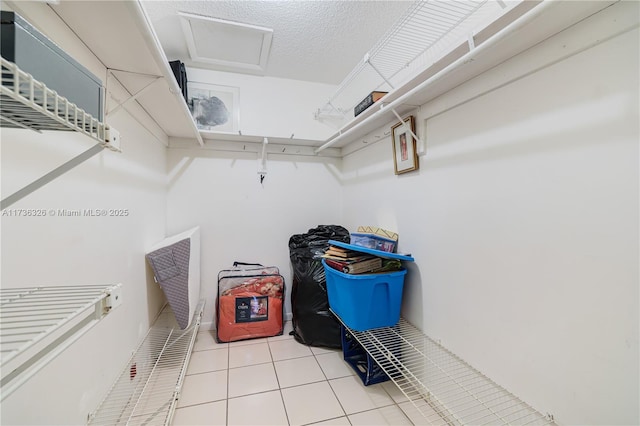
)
(147, 390)
(28, 103)
(443, 388)
(38, 323)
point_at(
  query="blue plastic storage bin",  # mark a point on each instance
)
(365, 301)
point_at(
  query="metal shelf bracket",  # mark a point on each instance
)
(421, 148)
(38, 183)
(262, 162)
(134, 96)
(367, 60)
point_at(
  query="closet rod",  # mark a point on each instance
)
(505, 32)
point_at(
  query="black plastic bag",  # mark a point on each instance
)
(313, 324)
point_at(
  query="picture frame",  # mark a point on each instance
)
(405, 155)
(214, 108)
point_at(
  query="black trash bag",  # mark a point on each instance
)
(313, 324)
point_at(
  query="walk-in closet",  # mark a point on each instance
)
(242, 212)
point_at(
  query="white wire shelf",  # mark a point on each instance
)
(28, 103)
(442, 387)
(426, 32)
(147, 390)
(38, 323)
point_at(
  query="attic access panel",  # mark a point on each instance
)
(227, 45)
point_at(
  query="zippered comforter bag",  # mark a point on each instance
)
(250, 302)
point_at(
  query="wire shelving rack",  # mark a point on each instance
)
(38, 323)
(427, 31)
(443, 388)
(28, 103)
(148, 388)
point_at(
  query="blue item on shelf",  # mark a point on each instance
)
(365, 301)
(361, 362)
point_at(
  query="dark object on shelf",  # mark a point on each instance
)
(180, 73)
(250, 302)
(313, 324)
(369, 372)
(367, 102)
(35, 54)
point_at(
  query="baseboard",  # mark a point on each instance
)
(205, 326)
(210, 325)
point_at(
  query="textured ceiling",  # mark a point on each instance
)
(317, 41)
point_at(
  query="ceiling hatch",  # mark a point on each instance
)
(226, 45)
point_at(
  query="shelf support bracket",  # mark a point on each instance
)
(336, 109)
(16, 123)
(471, 42)
(132, 97)
(421, 144)
(340, 114)
(60, 170)
(262, 163)
(367, 59)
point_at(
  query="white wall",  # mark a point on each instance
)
(242, 220)
(274, 107)
(55, 250)
(523, 220)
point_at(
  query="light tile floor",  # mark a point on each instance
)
(278, 381)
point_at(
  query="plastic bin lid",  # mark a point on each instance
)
(379, 253)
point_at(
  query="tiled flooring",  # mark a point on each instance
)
(278, 381)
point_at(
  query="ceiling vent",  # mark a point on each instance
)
(226, 45)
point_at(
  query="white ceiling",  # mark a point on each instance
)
(318, 41)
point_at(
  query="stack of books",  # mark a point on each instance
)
(371, 98)
(354, 262)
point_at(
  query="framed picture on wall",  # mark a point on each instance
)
(405, 156)
(214, 108)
